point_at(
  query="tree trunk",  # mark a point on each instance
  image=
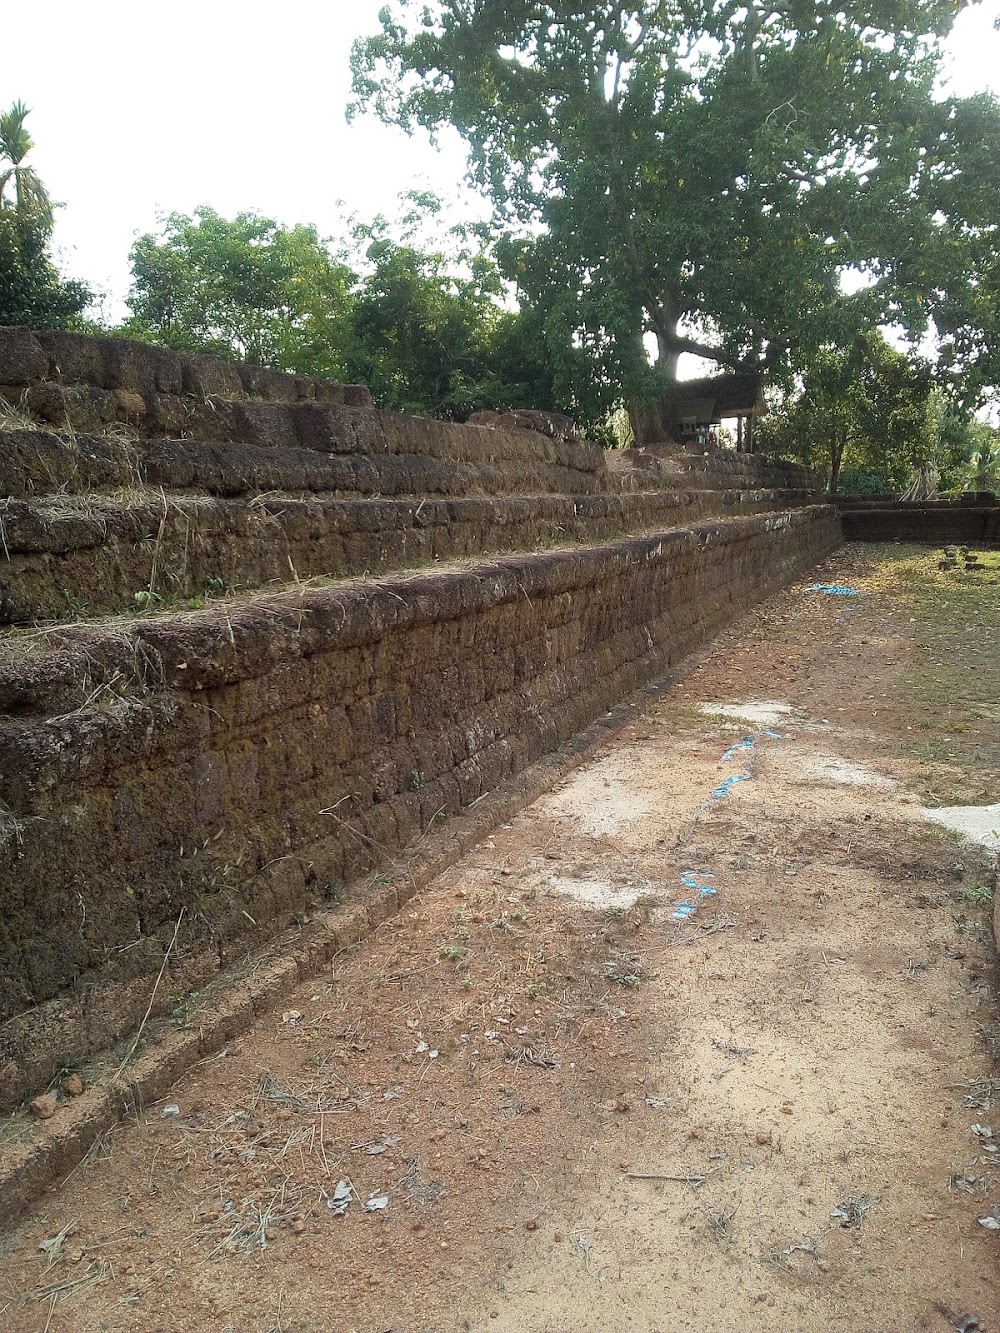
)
(658, 424)
(836, 459)
(665, 320)
(667, 358)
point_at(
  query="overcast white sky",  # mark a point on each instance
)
(140, 108)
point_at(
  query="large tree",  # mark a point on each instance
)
(706, 172)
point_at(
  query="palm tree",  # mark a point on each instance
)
(982, 473)
(31, 199)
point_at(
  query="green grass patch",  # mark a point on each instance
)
(953, 621)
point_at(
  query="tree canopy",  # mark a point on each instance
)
(707, 172)
(423, 324)
(864, 413)
(244, 287)
(31, 290)
(430, 323)
(30, 197)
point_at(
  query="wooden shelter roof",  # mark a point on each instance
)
(717, 396)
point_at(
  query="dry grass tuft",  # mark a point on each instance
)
(17, 418)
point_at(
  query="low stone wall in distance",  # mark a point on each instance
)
(969, 522)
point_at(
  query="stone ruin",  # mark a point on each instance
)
(259, 639)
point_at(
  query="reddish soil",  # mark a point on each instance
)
(584, 1113)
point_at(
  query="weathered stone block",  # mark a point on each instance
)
(23, 360)
(206, 376)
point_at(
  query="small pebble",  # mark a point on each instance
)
(73, 1085)
(44, 1108)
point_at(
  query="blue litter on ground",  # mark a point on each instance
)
(689, 878)
(692, 880)
(837, 589)
(692, 876)
(746, 745)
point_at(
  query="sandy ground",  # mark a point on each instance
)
(701, 1040)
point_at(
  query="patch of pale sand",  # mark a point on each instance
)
(761, 712)
(600, 893)
(842, 773)
(976, 823)
(602, 797)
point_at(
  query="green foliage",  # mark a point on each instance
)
(424, 325)
(428, 338)
(706, 174)
(421, 332)
(30, 196)
(982, 472)
(864, 415)
(246, 288)
(965, 445)
(31, 290)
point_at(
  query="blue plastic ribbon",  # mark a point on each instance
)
(694, 881)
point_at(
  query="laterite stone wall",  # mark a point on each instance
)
(241, 767)
(257, 637)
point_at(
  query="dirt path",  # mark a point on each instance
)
(588, 1107)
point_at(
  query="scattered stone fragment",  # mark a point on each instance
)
(73, 1085)
(45, 1107)
(340, 1200)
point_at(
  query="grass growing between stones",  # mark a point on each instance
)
(16, 417)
